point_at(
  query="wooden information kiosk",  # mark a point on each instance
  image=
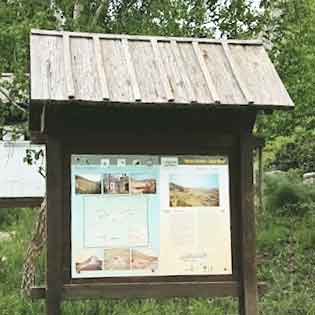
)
(149, 164)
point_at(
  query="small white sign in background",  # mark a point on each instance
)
(17, 178)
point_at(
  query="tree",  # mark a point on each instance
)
(202, 18)
(290, 29)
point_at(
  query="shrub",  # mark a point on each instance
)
(296, 151)
(8, 216)
(285, 193)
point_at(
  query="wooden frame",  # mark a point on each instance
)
(204, 137)
(21, 202)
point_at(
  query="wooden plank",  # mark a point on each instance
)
(38, 293)
(47, 67)
(68, 66)
(222, 78)
(146, 290)
(179, 61)
(284, 93)
(258, 142)
(248, 277)
(163, 73)
(21, 202)
(38, 138)
(236, 74)
(206, 74)
(177, 105)
(260, 179)
(146, 38)
(173, 73)
(131, 71)
(208, 289)
(147, 72)
(194, 73)
(115, 65)
(67, 216)
(259, 76)
(54, 182)
(84, 69)
(43, 119)
(100, 68)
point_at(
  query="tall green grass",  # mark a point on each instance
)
(286, 260)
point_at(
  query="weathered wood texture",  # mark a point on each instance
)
(143, 290)
(54, 226)
(152, 70)
(68, 121)
(23, 202)
(248, 277)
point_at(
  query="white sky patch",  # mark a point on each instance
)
(92, 177)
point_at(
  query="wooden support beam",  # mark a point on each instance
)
(21, 202)
(248, 277)
(68, 66)
(131, 70)
(100, 68)
(43, 117)
(38, 138)
(258, 142)
(260, 179)
(206, 74)
(143, 290)
(54, 184)
(191, 95)
(236, 74)
(162, 71)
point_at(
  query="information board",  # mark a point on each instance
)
(141, 215)
(17, 178)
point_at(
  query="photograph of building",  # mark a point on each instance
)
(88, 184)
(142, 184)
(116, 184)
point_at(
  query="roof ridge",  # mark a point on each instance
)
(146, 37)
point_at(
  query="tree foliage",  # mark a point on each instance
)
(291, 31)
(200, 18)
(286, 25)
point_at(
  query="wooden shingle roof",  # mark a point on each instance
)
(107, 68)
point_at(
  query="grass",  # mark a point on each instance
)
(286, 260)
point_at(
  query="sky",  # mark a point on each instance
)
(193, 180)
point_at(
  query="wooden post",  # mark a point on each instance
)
(248, 278)
(260, 178)
(54, 182)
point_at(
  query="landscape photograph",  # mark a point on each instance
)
(142, 184)
(92, 263)
(117, 259)
(88, 184)
(144, 259)
(193, 190)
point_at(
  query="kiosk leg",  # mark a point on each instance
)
(248, 278)
(53, 304)
(54, 185)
